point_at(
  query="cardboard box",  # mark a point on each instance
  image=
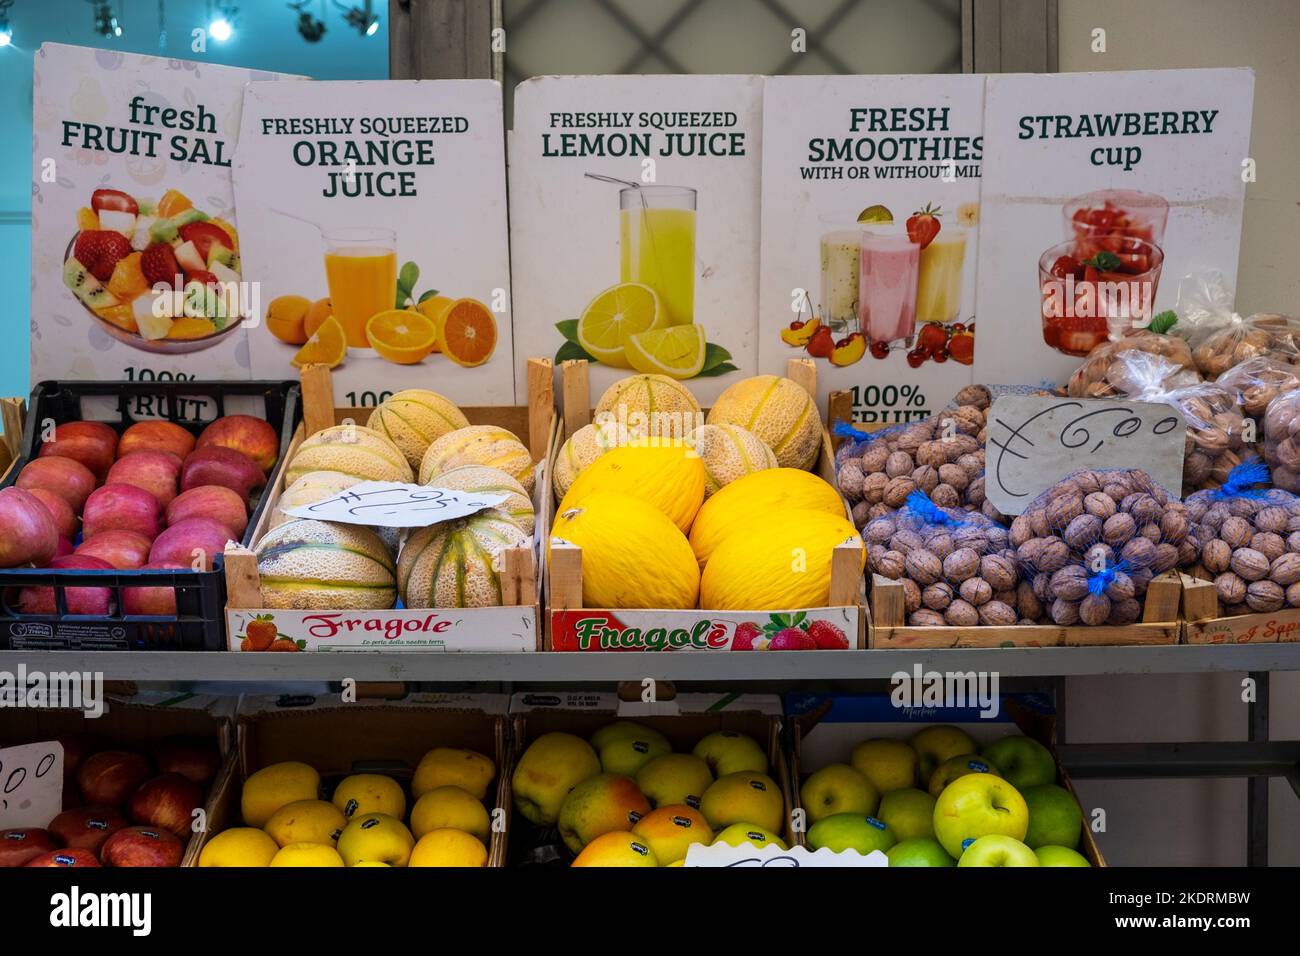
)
(1203, 622)
(387, 737)
(826, 727)
(515, 626)
(573, 627)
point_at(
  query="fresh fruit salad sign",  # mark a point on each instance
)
(871, 190)
(375, 222)
(634, 218)
(136, 260)
(1103, 190)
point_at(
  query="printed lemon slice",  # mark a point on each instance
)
(615, 315)
(328, 346)
(677, 351)
(402, 336)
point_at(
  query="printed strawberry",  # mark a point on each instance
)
(923, 225)
(822, 343)
(827, 636)
(113, 200)
(932, 336)
(792, 639)
(746, 633)
(961, 348)
(260, 633)
(100, 250)
(159, 264)
(204, 235)
(284, 644)
(1066, 266)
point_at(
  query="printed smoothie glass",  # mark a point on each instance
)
(888, 270)
(1082, 307)
(657, 245)
(841, 251)
(361, 271)
(1095, 217)
(939, 278)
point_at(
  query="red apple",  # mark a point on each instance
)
(27, 532)
(86, 828)
(156, 436)
(215, 465)
(121, 507)
(211, 501)
(79, 600)
(65, 519)
(188, 541)
(94, 444)
(69, 479)
(110, 777)
(156, 600)
(157, 472)
(142, 846)
(167, 801)
(244, 433)
(124, 550)
(63, 548)
(76, 748)
(22, 844)
(71, 857)
(197, 760)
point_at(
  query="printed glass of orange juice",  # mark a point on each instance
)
(361, 270)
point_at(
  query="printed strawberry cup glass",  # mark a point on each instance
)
(888, 270)
(1088, 300)
(1099, 219)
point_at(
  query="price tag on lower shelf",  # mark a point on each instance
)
(723, 855)
(1034, 441)
(395, 504)
(31, 784)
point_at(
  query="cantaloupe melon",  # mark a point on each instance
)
(480, 478)
(730, 452)
(779, 411)
(351, 450)
(781, 563)
(316, 565)
(586, 445)
(414, 418)
(667, 474)
(488, 445)
(457, 563)
(317, 486)
(663, 405)
(752, 500)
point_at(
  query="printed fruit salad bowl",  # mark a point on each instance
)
(160, 276)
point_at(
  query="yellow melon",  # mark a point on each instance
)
(753, 499)
(668, 475)
(488, 445)
(660, 405)
(317, 486)
(586, 445)
(484, 480)
(315, 565)
(730, 452)
(350, 450)
(457, 563)
(414, 418)
(780, 563)
(779, 411)
(632, 555)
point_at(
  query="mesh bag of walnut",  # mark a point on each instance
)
(1089, 545)
(957, 568)
(1109, 368)
(1222, 339)
(1250, 541)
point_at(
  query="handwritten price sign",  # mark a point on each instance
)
(395, 504)
(31, 784)
(1035, 441)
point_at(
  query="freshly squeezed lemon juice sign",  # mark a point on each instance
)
(377, 221)
(634, 218)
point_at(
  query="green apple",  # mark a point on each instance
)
(1054, 816)
(850, 831)
(995, 849)
(627, 755)
(740, 833)
(976, 805)
(908, 812)
(729, 752)
(934, 745)
(838, 789)
(621, 729)
(674, 778)
(1060, 856)
(955, 767)
(888, 764)
(1024, 761)
(919, 851)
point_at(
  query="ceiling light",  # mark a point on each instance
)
(106, 22)
(361, 18)
(310, 28)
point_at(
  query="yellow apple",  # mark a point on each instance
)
(624, 730)
(307, 854)
(934, 745)
(959, 766)
(627, 755)
(450, 807)
(617, 849)
(727, 751)
(996, 849)
(601, 804)
(375, 836)
(744, 797)
(370, 793)
(448, 847)
(674, 778)
(977, 805)
(740, 833)
(239, 846)
(888, 764)
(552, 765)
(671, 830)
(306, 821)
(837, 788)
(272, 787)
(453, 767)
(908, 812)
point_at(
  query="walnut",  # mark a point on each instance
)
(1061, 511)
(1118, 529)
(1274, 519)
(972, 537)
(946, 496)
(1145, 509)
(1116, 488)
(953, 475)
(1293, 595)
(1141, 578)
(1121, 588)
(898, 464)
(873, 458)
(1094, 609)
(911, 595)
(1064, 613)
(1151, 532)
(1042, 585)
(997, 614)
(1243, 508)
(1166, 558)
(1027, 602)
(975, 492)
(861, 514)
(897, 490)
(1173, 527)
(1007, 597)
(1196, 508)
(891, 565)
(1139, 552)
(1268, 544)
(940, 544)
(926, 478)
(998, 571)
(1216, 555)
(1188, 553)
(1249, 564)
(926, 618)
(1099, 557)
(879, 531)
(907, 541)
(1055, 554)
(850, 480)
(976, 591)
(922, 567)
(1088, 483)
(1285, 569)
(1070, 583)
(873, 488)
(1293, 542)
(1038, 521)
(961, 614)
(1123, 613)
(973, 465)
(978, 396)
(880, 510)
(937, 596)
(961, 564)
(1100, 505)
(1231, 588)
(1021, 530)
(1083, 531)
(1236, 532)
(1264, 596)
(931, 453)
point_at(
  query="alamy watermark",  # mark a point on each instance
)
(933, 689)
(41, 690)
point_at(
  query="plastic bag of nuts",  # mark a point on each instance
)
(1110, 368)
(1089, 545)
(1256, 383)
(1220, 338)
(1282, 441)
(957, 569)
(1249, 542)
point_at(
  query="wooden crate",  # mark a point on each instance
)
(680, 628)
(1203, 624)
(453, 629)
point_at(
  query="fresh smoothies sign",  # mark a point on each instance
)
(1103, 190)
(376, 224)
(634, 219)
(871, 190)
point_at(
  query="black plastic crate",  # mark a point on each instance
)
(199, 624)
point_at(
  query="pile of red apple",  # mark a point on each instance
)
(124, 809)
(153, 498)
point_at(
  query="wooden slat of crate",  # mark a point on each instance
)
(1202, 623)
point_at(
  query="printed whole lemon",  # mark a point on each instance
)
(307, 854)
(448, 847)
(663, 473)
(239, 846)
(450, 807)
(272, 787)
(454, 767)
(306, 821)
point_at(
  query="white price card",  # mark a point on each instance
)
(1034, 441)
(31, 784)
(772, 856)
(396, 504)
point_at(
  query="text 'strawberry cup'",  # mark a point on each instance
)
(1088, 300)
(1094, 217)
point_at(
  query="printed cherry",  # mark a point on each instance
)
(880, 350)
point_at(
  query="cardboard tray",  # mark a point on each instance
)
(625, 629)
(824, 728)
(338, 739)
(516, 626)
(1203, 624)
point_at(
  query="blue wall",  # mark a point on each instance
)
(265, 38)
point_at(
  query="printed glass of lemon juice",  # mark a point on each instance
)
(657, 245)
(361, 271)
